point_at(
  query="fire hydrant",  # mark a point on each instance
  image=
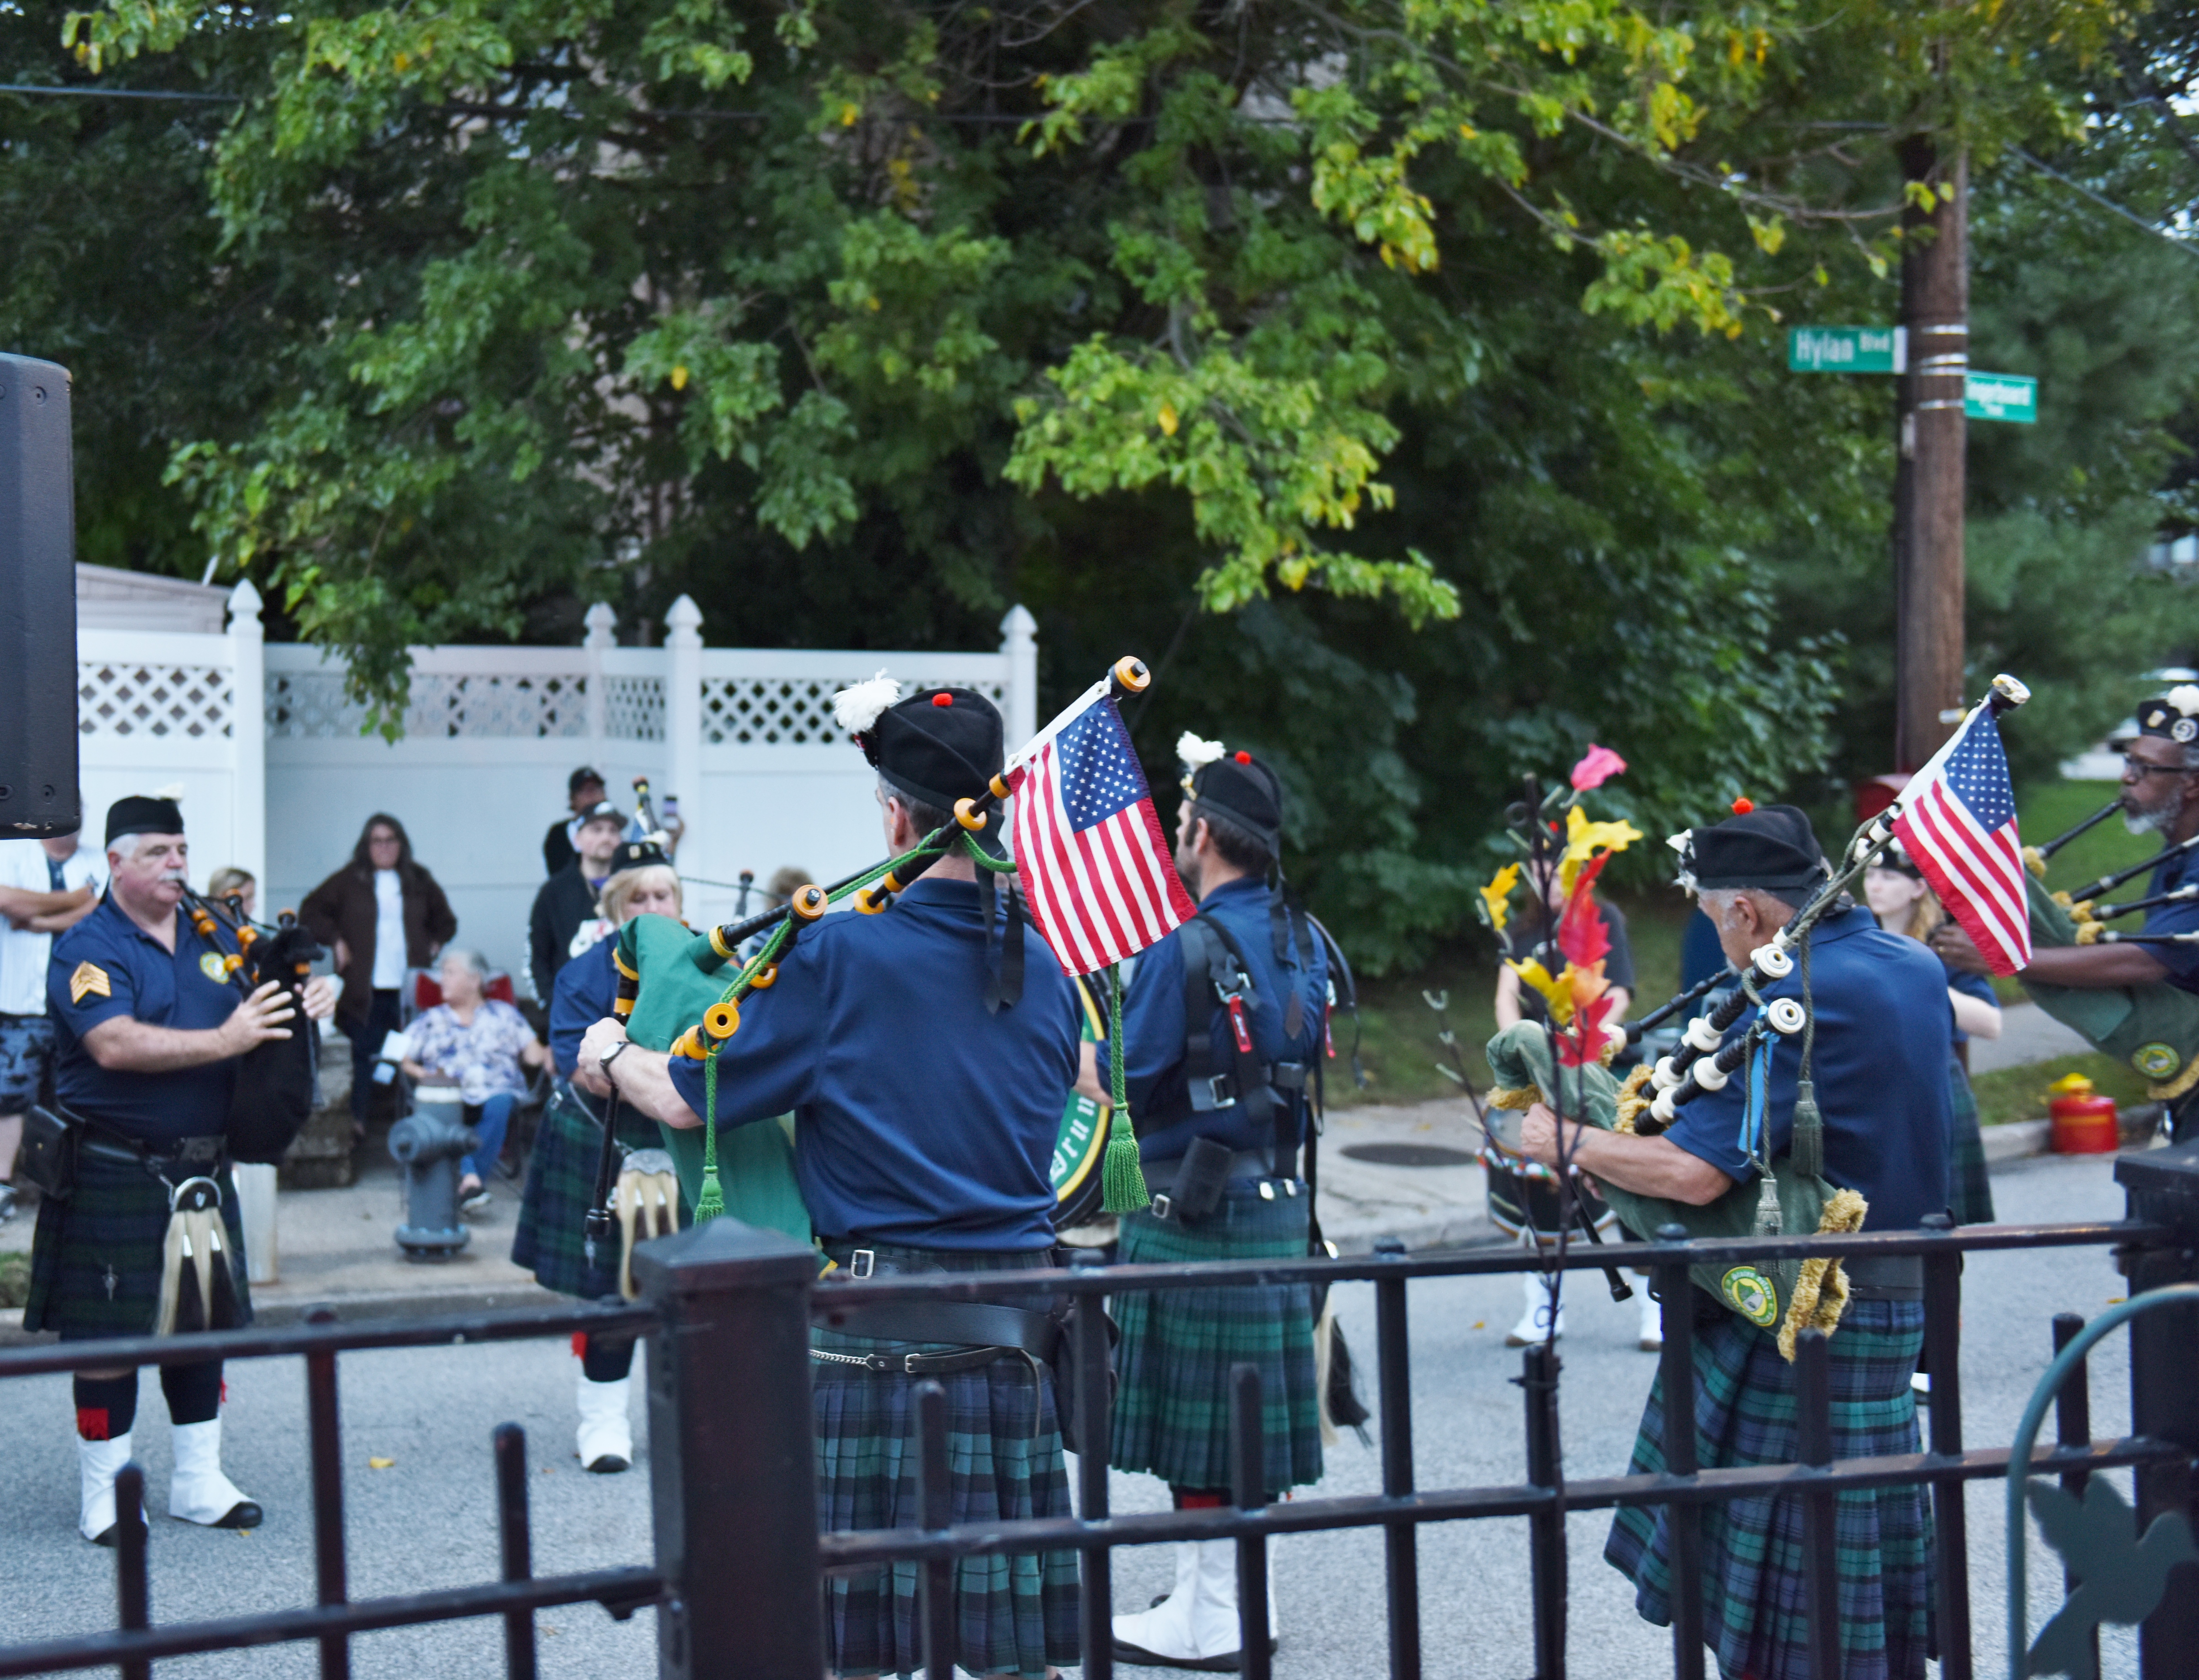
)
(428, 1144)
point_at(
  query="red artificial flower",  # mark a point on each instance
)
(1601, 765)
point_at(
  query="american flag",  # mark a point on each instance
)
(1089, 850)
(1958, 823)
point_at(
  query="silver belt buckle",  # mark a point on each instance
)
(860, 1263)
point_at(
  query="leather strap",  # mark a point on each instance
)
(1886, 1277)
(975, 1324)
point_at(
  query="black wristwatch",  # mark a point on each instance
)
(603, 1062)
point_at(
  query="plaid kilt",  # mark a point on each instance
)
(1012, 1615)
(1755, 1590)
(1969, 1189)
(1172, 1401)
(113, 1227)
(549, 1238)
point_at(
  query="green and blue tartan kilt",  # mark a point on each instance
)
(1970, 1188)
(1015, 1614)
(1172, 1398)
(550, 1239)
(95, 1258)
(1755, 1589)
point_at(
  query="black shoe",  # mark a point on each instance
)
(610, 1464)
(1138, 1657)
(106, 1536)
(245, 1514)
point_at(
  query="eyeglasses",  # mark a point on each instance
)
(2135, 765)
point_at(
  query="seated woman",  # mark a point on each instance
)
(486, 1047)
(561, 1176)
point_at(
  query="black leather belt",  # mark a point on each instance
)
(1885, 1277)
(107, 1146)
(983, 1331)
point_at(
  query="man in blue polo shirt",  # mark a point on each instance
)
(1224, 1020)
(2159, 796)
(149, 1026)
(925, 1122)
(1880, 1067)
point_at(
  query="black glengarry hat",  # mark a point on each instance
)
(2173, 717)
(638, 854)
(143, 814)
(1235, 785)
(939, 745)
(1769, 846)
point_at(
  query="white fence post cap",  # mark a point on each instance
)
(603, 624)
(244, 606)
(684, 615)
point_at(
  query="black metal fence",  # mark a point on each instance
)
(740, 1560)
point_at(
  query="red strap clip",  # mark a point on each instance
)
(1240, 1026)
(1328, 1037)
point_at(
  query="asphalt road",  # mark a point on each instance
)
(426, 1519)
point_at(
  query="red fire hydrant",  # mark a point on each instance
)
(2084, 1123)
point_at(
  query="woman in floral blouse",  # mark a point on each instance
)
(484, 1047)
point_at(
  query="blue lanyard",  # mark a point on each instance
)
(1759, 1089)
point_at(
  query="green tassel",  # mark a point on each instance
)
(711, 1201)
(1122, 1180)
(1807, 1151)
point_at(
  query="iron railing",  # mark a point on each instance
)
(740, 1560)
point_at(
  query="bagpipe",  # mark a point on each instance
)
(1734, 1040)
(682, 992)
(2153, 1027)
(278, 1082)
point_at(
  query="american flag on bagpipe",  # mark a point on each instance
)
(1957, 823)
(1091, 856)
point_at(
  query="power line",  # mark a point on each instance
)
(2109, 204)
(37, 91)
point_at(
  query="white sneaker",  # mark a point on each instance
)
(199, 1492)
(1537, 1323)
(98, 1464)
(605, 1440)
(1652, 1319)
(1196, 1626)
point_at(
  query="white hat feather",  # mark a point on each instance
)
(857, 708)
(2185, 698)
(175, 790)
(1196, 753)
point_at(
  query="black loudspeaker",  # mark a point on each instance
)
(39, 792)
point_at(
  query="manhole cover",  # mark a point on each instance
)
(1408, 1155)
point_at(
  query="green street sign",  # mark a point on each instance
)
(1847, 350)
(2001, 396)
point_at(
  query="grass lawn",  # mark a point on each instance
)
(14, 1279)
(2020, 1092)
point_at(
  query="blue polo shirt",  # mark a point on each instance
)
(1884, 1025)
(586, 989)
(1154, 1027)
(2182, 961)
(107, 967)
(921, 1118)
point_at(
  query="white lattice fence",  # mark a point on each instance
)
(774, 711)
(132, 698)
(311, 705)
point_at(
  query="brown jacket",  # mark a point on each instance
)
(342, 908)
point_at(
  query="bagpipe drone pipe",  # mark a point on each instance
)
(674, 996)
(278, 1082)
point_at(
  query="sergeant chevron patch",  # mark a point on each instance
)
(89, 977)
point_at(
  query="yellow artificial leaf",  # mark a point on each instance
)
(1582, 839)
(1168, 419)
(379, 1464)
(1497, 896)
(1557, 991)
(848, 115)
(679, 379)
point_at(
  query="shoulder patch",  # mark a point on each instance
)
(89, 978)
(210, 964)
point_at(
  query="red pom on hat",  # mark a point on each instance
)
(1743, 806)
(942, 699)
(1243, 757)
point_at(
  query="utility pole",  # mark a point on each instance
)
(1929, 481)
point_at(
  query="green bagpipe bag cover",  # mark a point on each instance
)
(755, 1162)
(2154, 1028)
(1791, 1295)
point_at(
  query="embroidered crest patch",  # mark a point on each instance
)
(210, 966)
(2156, 1061)
(88, 979)
(1750, 1293)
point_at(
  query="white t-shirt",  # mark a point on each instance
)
(23, 955)
(388, 931)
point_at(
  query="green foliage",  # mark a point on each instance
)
(1399, 375)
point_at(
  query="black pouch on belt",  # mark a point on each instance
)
(1200, 1181)
(49, 1156)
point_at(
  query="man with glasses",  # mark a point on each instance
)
(2161, 795)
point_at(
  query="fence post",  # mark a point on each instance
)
(1019, 641)
(2162, 1187)
(732, 1460)
(602, 633)
(683, 704)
